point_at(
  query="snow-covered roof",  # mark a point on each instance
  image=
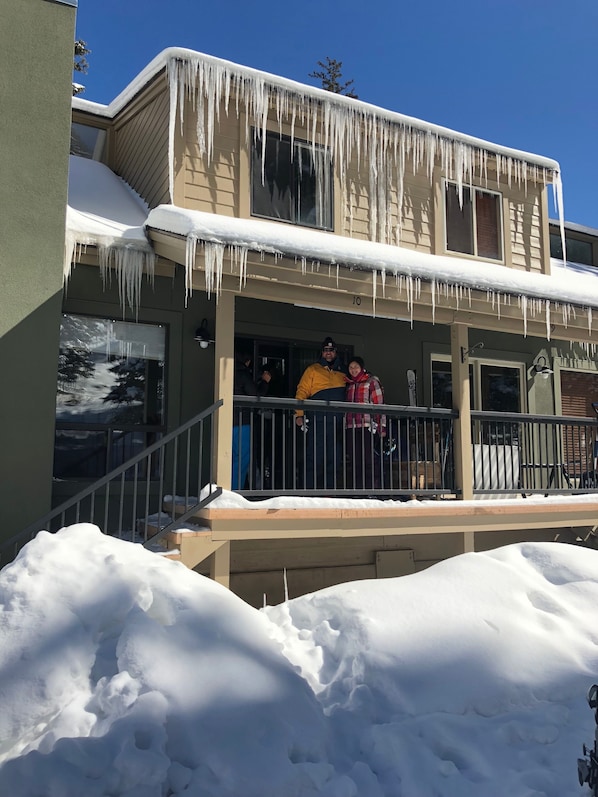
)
(573, 227)
(384, 141)
(103, 211)
(538, 293)
(172, 55)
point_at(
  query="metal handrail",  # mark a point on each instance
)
(173, 447)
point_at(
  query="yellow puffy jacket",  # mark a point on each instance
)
(321, 383)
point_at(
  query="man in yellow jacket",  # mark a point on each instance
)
(322, 381)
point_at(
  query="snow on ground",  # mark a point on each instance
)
(123, 673)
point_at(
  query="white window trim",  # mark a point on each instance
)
(501, 224)
(477, 363)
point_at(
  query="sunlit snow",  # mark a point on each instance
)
(125, 674)
(103, 211)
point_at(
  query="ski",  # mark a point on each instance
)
(412, 388)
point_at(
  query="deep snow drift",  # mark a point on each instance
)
(123, 673)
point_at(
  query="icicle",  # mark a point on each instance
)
(190, 250)
(344, 131)
(374, 289)
(433, 294)
(523, 305)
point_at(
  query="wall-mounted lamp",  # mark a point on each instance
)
(465, 353)
(541, 367)
(202, 335)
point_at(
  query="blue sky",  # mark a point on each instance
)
(521, 73)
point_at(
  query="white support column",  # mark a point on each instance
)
(461, 403)
(224, 369)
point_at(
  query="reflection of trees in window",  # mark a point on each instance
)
(73, 364)
(128, 390)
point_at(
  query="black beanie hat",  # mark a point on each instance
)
(328, 343)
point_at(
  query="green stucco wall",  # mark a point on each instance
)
(36, 56)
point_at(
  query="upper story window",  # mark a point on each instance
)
(577, 251)
(87, 141)
(473, 225)
(291, 180)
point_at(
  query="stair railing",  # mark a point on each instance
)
(128, 502)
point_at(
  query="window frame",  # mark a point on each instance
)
(476, 364)
(296, 145)
(500, 222)
(113, 431)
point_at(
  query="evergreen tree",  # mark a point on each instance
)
(331, 77)
(80, 63)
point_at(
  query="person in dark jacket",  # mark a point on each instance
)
(324, 380)
(244, 385)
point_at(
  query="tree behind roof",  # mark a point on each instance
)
(331, 77)
(80, 63)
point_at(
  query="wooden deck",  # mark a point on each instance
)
(336, 544)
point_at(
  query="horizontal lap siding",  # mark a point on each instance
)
(526, 230)
(213, 187)
(141, 148)
(417, 211)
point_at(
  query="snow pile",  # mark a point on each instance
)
(125, 674)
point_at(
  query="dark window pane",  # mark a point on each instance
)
(272, 187)
(110, 377)
(488, 225)
(442, 385)
(459, 223)
(579, 251)
(291, 182)
(501, 389)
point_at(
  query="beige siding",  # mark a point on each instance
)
(417, 210)
(213, 187)
(258, 566)
(526, 229)
(223, 185)
(140, 138)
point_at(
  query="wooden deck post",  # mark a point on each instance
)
(461, 403)
(220, 565)
(224, 367)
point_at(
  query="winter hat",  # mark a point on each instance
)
(328, 344)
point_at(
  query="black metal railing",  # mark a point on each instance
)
(335, 453)
(525, 454)
(129, 501)
(86, 450)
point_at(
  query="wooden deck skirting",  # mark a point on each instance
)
(420, 518)
(221, 527)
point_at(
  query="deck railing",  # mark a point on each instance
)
(533, 454)
(410, 453)
(129, 501)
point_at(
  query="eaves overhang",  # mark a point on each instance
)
(431, 287)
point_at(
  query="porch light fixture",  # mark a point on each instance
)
(202, 335)
(465, 353)
(541, 367)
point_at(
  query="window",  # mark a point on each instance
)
(110, 398)
(493, 387)
(473, 222)
(291, 181)
(577, 251)
(87, 141)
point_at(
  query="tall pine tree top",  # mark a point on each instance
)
(331, 76)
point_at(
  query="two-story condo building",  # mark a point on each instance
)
(214, 208)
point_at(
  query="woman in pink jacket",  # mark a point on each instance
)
(364, 430)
